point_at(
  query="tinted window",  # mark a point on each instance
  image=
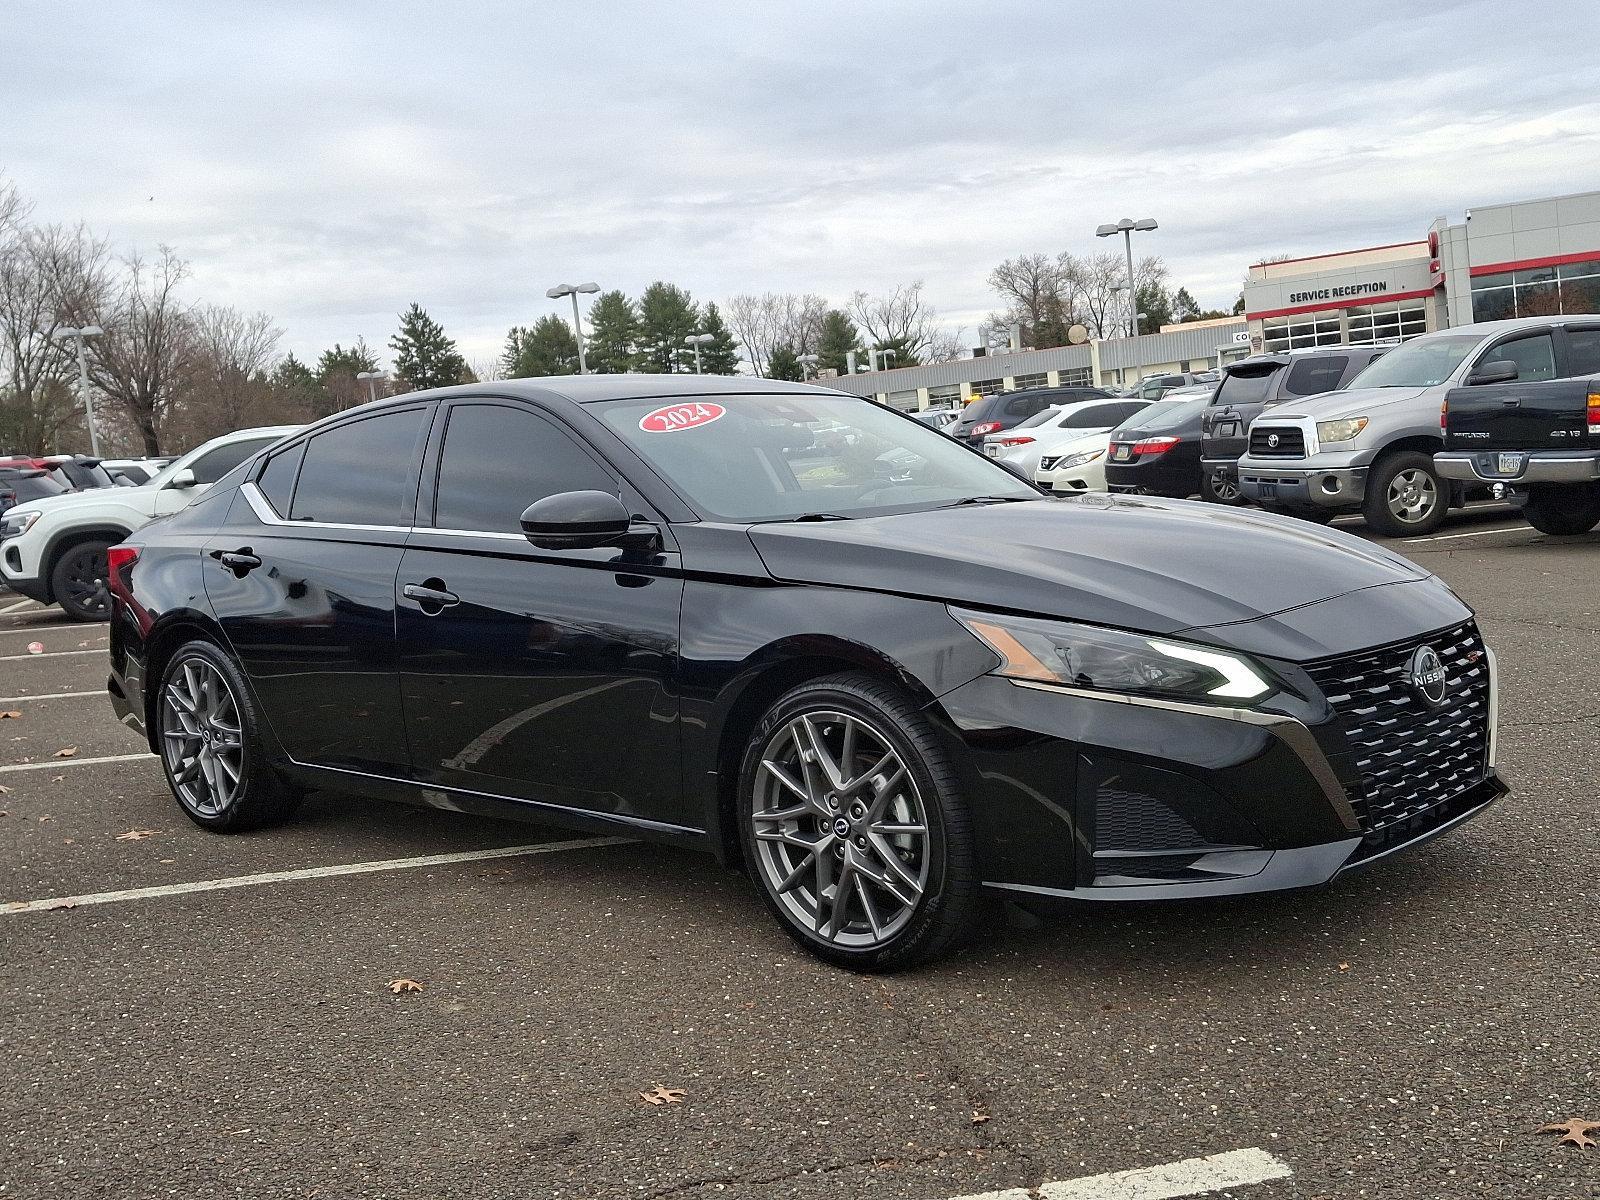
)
(1041, 417)
(1312, 375)
(1173, 381)
(29, 485)
(277, 481)
(980, 409)
(1535, 356)
(361, 473)
(209, 468)
(1583, 347)
(498, 460)
(1024, 405)
(1100, 416)
(1239, 387)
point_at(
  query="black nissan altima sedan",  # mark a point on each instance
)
(805, 633)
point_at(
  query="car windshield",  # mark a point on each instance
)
(1422, 363)
(780, 457)
(1164, 414)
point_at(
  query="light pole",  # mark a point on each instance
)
(697, 340)
(572, 289)
(1127, 227)
(372, 378)
(81, 333)
(808, 360)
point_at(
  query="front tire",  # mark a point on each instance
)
(78, 581)
(1405, 496)
(853, 825)
(1563, 509)
(211, 744)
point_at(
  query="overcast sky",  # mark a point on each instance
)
(329, 163)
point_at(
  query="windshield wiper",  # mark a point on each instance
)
(988, 500)
(821, 517)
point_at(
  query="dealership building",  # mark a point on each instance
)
(1529, 258)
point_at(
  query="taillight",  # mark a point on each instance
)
(1014, 441)
(1444, 413)
(983, 428)
(119, 567)
(1594, 414)
(1155, 445)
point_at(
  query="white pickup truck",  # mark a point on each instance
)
(54, 549)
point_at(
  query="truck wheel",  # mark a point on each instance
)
(1220, 486)
(78, 581)
(1563, 509)
(1405, 496)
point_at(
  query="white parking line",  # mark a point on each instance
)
(18, 606)
(51, 763)
(1191, 1177)
(52, 654)
(50, 696)
(362, 868)
(1445, 537)
(67, 627)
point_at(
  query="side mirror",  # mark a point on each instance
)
(182, 479)
(576, 521)
(1501, 370)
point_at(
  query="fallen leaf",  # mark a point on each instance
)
(83, 645)
(1575, 1130)
(66, 752)
(137, 835)
(980, 1115)
(4, 791)
(404, 985)
(663, 1095)
(10, 714)
(1344, 966)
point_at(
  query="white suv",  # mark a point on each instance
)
(54, 549)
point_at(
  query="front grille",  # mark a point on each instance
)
(1411, 756)
(1291, 442)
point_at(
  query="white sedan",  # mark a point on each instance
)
(1077, 467)
(1047, 432)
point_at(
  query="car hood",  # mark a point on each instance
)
(1133, 562)
(140, 499)
(1331, 406)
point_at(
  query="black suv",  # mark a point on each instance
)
(991, 414)
(1254, 384)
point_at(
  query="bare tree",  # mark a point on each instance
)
(144, 360)
(904, 321)
(762, 323)
(231, 355)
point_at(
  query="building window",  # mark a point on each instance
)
(1376, 323)
(1300, 333)
(987, 387)
(1039, 379)
(1076, 377)
(1537, 292)
(905, 401)
(948, 396)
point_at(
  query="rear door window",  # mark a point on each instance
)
(1312, 375)
(1100, 416)
(363, 473)
(1583, 351)
(277, 480)
(500, 458)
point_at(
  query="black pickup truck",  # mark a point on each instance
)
(1542, 438)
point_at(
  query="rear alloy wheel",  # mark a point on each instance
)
(78, 581)
(1563, 509)
(853, 828)
(210, 745)
(1221, 486)
(1405, 496)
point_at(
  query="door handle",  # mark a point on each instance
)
(239, 561)
(1512, 402)
(430, 595)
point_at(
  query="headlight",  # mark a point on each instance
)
(1078, 460)
(1340, 431)
(16, 523)
(1086, 656)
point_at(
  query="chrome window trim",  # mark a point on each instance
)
(1288, 730)
(268, 516)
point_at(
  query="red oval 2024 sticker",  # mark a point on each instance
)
(676, 417)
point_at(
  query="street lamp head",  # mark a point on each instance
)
(72, 331)
(590, 288)
(699, 339)
(1145, 224)
(369, 374)
(812, 360)
(560, 290)
(1105, 230)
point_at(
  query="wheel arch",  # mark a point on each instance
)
(1419, 443)
(63, 540)
(766, 676)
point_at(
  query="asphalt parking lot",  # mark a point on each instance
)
(1402, 1034)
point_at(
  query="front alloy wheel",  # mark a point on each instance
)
(1405, 496)
(853, 827)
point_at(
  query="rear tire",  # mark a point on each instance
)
(212, 747)
(1563, 509)
(1405, 496)
(78, 581)
(1220, 486)
(854, 828)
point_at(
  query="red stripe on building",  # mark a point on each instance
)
(1528, 264)
(1345, 302)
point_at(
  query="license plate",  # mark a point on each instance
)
(1510, 464)
(1227, 429)
(1121, 453)
(1269, 491)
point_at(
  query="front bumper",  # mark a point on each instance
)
(1323, 487)
(1090, 796)
(1539, 466)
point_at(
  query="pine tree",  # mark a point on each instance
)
(839, 336)
(295, 387)
(719, 357)
(613, 334)
(1184, 307)
(783, 363)
(666, 316)
(423, 355)
(336, 372)
(900, 348)
(549, 348)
